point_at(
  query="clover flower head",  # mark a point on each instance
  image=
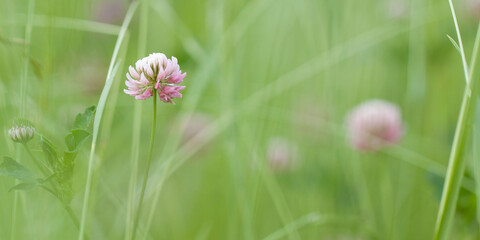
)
(22, 131)
(397, 9)
(155, 73)
(281, 154)
(110, 11)
(473, 8)
(374, 124)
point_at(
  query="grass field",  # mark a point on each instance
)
(258, 147)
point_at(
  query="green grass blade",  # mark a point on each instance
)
(455, 44)
(23, 98)
(137, 120)
(456, 163)
(168, 14)
(281, 206)
(67, 23)
(98, 116)
(96, 128)
(476, 154)
(460, 43)
(455, 170)
(28, 36)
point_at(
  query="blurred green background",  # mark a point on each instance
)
(257, 70)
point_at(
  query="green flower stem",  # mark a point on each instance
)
(147, 168)
(73, 216)
(67, 207)
(42, 167)
(37, 162)
(53, 191)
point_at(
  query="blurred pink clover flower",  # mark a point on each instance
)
(374, 124)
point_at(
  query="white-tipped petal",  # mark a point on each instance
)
(133, 72)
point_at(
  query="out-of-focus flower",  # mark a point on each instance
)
(110, 11)
(90, 74)
(155, 73)
(396, 9)
(473, 7)
(281, 154)
(374, 124)
(193, 126)
(22, 131)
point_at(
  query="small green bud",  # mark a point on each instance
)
(22, 131)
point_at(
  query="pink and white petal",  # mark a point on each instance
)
(169, 69)
(174, 63)
(130, 92)
(163, 60)
(175, 95)
(139, 65)
(177, 77)
(164, 98)
(149, 71)
(161, 74)
(148, 93)
(158, 85)
(133, 73)
(174, 60)
(133, 84)
(129, 83)
(131, 79)
(144, 80)
(179, 88)
(167, 89)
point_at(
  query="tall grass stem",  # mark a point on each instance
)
(98, 116)
(137, 120)
(460, 44)
(456, 163)
(147, 167)
(23, 98)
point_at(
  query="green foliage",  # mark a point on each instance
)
(49, 151)
(37, 67)
(454, 43)
(476, 155)
(62, 166)
(83, 120)
(257, 69)
(75, 139)
(12, 168)
(24, 186)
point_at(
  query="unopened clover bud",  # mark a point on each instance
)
(22, 131)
